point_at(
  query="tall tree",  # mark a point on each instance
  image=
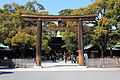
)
(70, 40)
(68, 36)
(109, 16)
(12, 25)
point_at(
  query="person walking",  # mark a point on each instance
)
(73, 58)
(65, 57)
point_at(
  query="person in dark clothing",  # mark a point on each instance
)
(53, 57)
(73, 58)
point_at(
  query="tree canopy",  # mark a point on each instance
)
(12, 26)
(103, 34)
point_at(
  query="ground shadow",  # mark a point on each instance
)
(6, 73)
(59, 66)
(7, 68)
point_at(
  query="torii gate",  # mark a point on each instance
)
(59, 19)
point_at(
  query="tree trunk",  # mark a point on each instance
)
(22, 52)
(111, 53)
(102, 52)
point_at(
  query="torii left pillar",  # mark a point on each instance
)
(39, 43)
(80, 42)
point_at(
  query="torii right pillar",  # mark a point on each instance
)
(80, 43)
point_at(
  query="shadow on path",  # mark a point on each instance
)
(59, 66)
(6, 73)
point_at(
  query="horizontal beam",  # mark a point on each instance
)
(58, 16)
(35, 17)
(83, 19)
(59, 28)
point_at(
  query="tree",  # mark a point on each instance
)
(102, 36)
(52, 33)
(31, 6)
(65, 12)
(12, 25)
(109, 16)
(22, 41)
(70, 40)
(68, 36)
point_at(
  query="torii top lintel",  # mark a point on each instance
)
(36, 17)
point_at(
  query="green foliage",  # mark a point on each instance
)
(103, 34)
(45, 39)
(70, 40)
(65, 12)
(31, 6)
(22, 39)
(12, 26)
(69, 37)
(109, 16)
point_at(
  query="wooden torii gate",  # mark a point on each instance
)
(59, 19)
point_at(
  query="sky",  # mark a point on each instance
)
(52, 6)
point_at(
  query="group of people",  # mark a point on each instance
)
(53, 58)
(73, 58)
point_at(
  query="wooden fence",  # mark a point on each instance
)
(91, 62)
(103, 62)
(17, 63)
